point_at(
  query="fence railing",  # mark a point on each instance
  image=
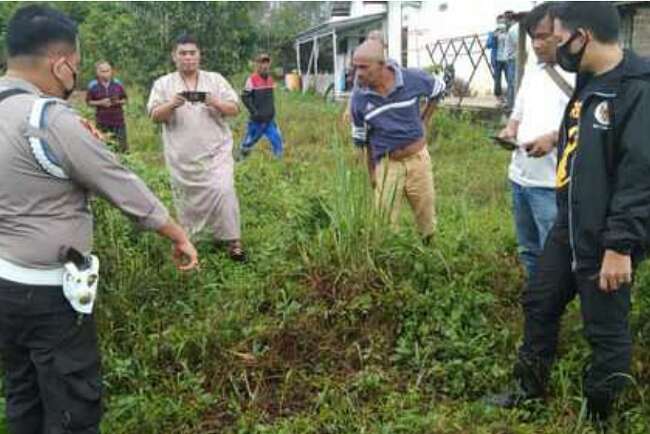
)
(446, 52)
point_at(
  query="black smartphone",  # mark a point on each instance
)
(506, 144)
(194, 96)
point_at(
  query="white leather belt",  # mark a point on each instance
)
(30, 276)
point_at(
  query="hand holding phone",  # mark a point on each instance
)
(194, 96)
(508, 145)
(541, 145)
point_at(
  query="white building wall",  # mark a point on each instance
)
(442, 19)
(395, 25)
(439, 19)
(359, 7)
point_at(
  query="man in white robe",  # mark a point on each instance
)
(193, 105)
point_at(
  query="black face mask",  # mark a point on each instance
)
(68, 91)
(567, 60)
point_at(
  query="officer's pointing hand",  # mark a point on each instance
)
(185, 256)
(615, 271)
(183, 253)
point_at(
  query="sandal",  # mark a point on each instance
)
(236, 251)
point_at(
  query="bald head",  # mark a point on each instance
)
(370, 51)
(370, 64)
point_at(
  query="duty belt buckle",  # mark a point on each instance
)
(80, 281)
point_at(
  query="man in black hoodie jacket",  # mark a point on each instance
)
(603, 190)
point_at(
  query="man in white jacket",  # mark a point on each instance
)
(533, 125)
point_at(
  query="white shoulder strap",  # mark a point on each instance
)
(40, 148)
(564, 85)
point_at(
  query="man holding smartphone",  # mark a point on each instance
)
(533, 126)
(108, 96)
(194, 106)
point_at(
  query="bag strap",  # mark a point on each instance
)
(10, 92)
(559, 80)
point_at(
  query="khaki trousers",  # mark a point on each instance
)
(411, 177)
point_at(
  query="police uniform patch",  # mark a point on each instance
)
(602, 115)
(92, 129)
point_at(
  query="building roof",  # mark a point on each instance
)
(341, 9)
(338, 26)
(631, 3)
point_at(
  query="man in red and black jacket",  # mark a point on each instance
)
(257, 96)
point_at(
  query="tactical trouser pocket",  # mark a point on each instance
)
(76, 366)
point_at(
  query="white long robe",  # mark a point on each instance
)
(198, 150)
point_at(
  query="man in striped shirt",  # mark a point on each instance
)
(386, 119)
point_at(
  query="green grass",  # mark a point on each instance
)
(3, 430)
(337, 325)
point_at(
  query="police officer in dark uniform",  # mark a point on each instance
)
(50, 163)
(602, 228)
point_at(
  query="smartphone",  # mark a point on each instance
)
(194, 96)
(508, 145)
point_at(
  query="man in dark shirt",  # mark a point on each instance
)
(108, 97)
(258, 99)
(603, 193)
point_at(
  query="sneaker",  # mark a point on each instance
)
(510, 398)
(530, 384)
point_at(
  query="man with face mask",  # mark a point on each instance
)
(603, 189)
(257, 96)
(193, 106)
(50, 164)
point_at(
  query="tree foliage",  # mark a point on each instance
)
(137, 37)
(280, 23)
